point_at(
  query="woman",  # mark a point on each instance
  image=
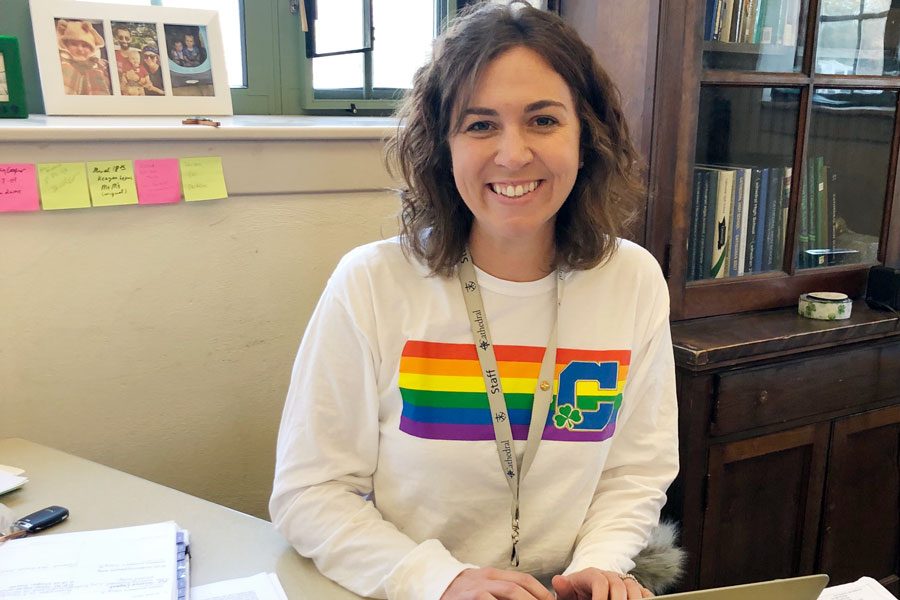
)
(395, 470)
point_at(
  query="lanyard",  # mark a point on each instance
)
(543, 393)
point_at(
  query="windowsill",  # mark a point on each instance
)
(42, 128)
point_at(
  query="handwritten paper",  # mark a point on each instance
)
(158, 181)
(203, 178)
(63, 185)
(112, 183)
(18, 188)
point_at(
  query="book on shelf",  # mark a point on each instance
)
(706, 226)
(739, 218)
(722, 232)
(773, 208)
(762, 210)
(756, 175)
(694, 241)
(768, 22)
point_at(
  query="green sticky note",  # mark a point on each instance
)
(63, 185)
(112, 182)
(202, 178)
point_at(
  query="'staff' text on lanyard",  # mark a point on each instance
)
(543, 393)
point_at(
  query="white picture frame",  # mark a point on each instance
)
(77, 42)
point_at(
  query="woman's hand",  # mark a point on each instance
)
(495, 584)
(594, 584)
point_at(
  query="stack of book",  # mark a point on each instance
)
(752, 21)
(739, 218)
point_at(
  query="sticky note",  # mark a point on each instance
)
(158, 181)
(202, 178)
(63, 185)
(112, 182)
(18, 188)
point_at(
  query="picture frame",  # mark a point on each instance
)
(12, 84)
(112, 59)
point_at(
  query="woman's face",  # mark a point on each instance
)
(151, 61)
(516, 155)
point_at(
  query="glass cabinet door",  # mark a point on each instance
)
(754, 35)
(846, 173)
(742, 180)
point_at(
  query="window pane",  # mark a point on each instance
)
(230, 21)
(857, 38)
(742, 180)
(344, 71)
(403, 34)
(339, 26)
(755, 35)
(842, 197)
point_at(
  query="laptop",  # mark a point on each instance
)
(808, 587)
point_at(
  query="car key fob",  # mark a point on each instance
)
(42, 519)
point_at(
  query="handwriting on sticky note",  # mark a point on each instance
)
(158, 181)
(203, 179)
(63, 185)
(18, 188)
(112, 182)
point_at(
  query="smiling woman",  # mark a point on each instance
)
(485, 406)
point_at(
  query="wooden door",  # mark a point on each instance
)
(763, 506)
(861, 523)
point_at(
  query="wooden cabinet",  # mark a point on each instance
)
(775, 143)
(790, 447)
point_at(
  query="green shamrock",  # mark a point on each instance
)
(567, 416)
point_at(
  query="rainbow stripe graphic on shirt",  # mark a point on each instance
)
(444, 397)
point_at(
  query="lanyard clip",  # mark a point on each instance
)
(514, 555)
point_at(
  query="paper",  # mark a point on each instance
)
(18, 188)
(203, 178)
(158, 181)
(263, 586)
(113, 564)
(112, 183)
(63, 185)
(864, 588)
(10, 482)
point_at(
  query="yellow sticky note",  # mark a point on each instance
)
(202, 178)
(112, 182)
(63, 185)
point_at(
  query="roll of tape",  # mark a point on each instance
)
(826, 306)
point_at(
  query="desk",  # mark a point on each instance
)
(225, 544)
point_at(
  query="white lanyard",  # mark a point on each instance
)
(543, 393)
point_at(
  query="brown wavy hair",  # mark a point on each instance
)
(434, 221)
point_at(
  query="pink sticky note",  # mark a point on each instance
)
(158, 181)
(18, 188)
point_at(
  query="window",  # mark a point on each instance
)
(366, 51)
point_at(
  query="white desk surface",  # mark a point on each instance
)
(225, 544)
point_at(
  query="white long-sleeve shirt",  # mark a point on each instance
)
(387, 473)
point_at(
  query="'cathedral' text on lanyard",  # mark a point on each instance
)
(543, 393)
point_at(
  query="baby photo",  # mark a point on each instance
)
(83, 58)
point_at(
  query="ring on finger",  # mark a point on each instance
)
(631, 577)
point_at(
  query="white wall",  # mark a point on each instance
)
(158, 339)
